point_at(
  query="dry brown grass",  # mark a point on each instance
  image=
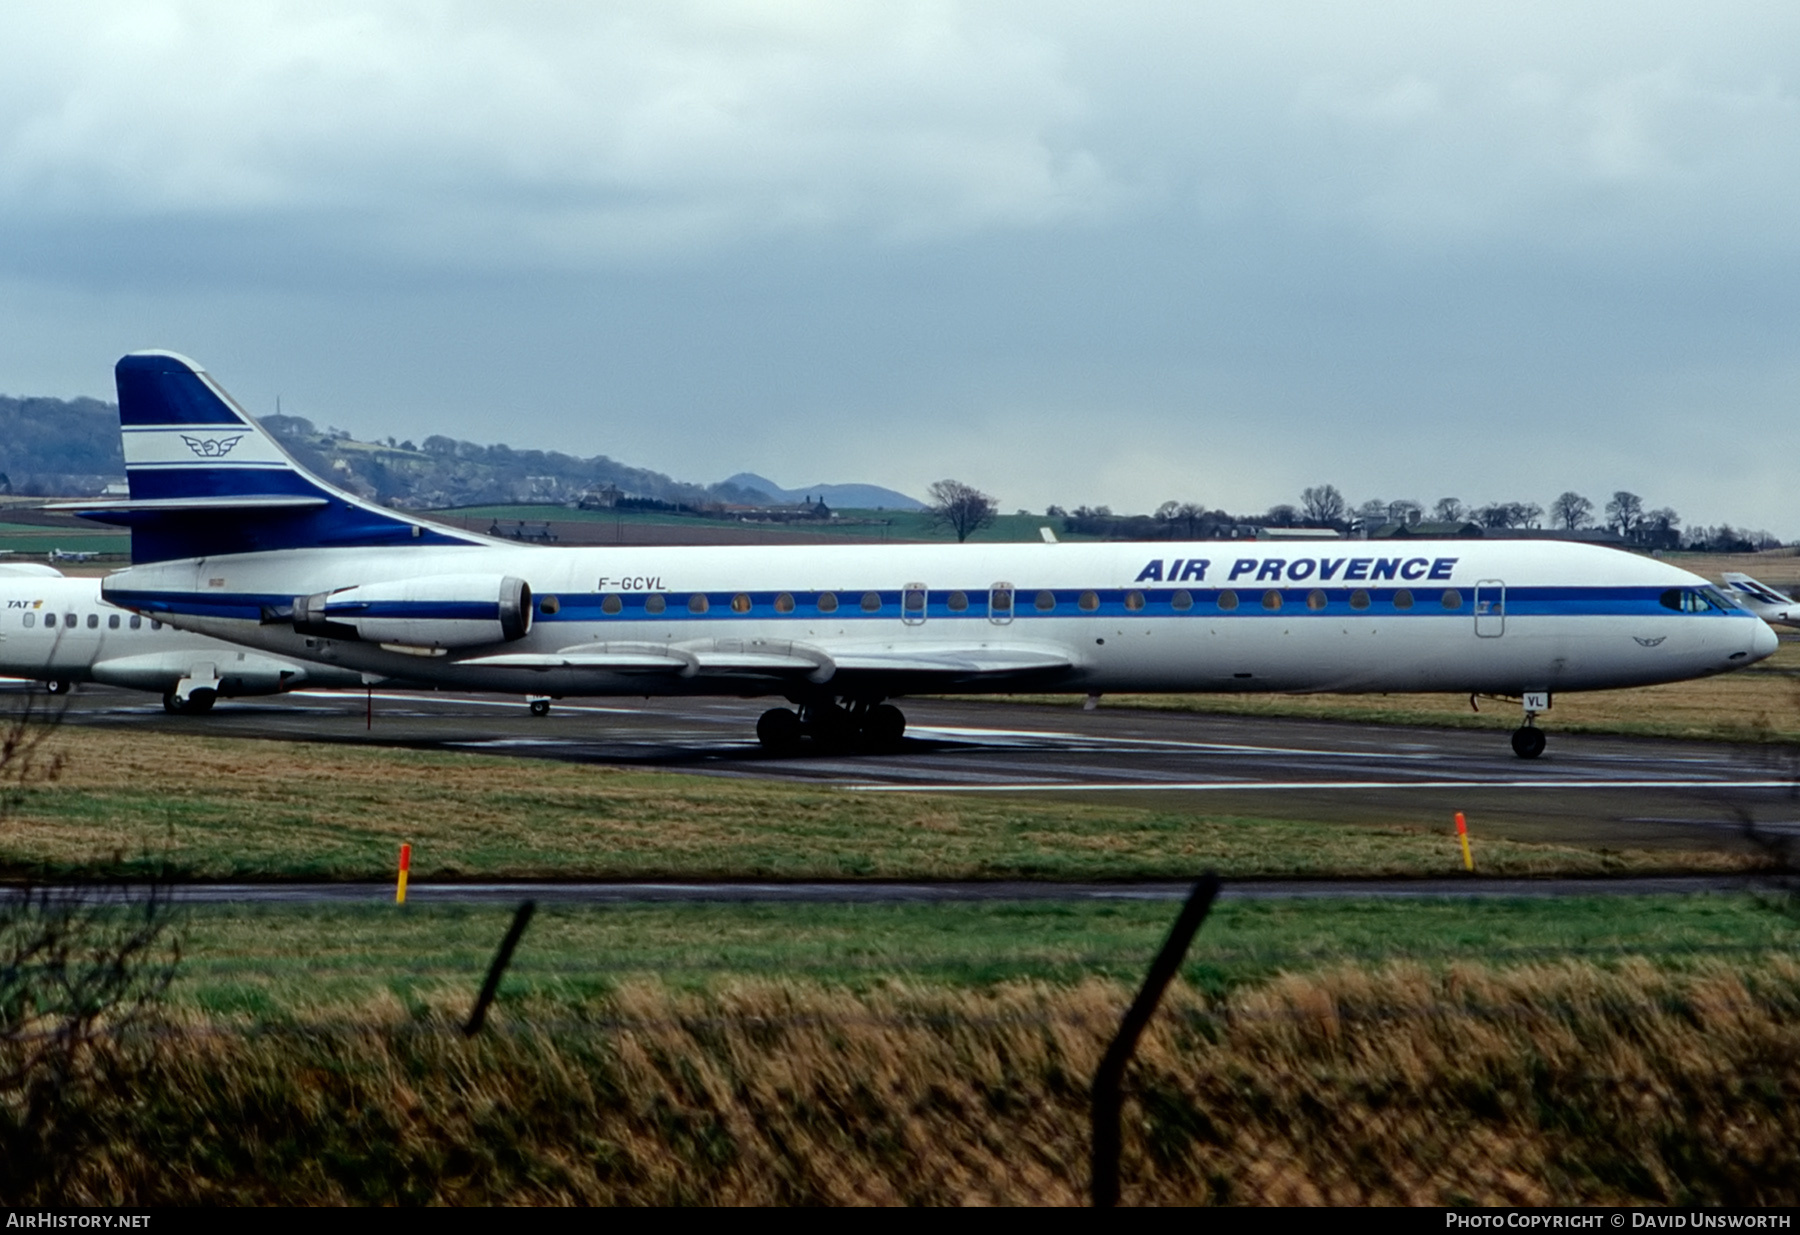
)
(1560, 1083)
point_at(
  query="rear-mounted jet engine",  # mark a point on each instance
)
(438, 611)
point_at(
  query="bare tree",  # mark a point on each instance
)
(1404, 510)
(1449, 510)
(1508, 514)
(1183, 518)
(1624, 512)
(1571, 511)
(1323, 504)
(962, 508)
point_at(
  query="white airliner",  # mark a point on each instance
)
(233, 538)
(1762, 600)
(60, 631)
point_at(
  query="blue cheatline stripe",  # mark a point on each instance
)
(1157, 603)
(589, 606)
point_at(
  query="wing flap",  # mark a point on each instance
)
(989, 661)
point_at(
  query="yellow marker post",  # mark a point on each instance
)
(1462, 834)
(406, 862)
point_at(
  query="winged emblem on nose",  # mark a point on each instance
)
(211, 447)
(1649, 643)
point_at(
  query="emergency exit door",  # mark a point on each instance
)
(1490, 608)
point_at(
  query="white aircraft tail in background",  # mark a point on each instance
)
(1762, 600)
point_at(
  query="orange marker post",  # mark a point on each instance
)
(1462, 834)
(406, 863)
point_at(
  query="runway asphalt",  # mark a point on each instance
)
(1614, 790)
(888, 893)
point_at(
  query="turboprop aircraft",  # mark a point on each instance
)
(60, 631)
(233, 538)
(1762, 600)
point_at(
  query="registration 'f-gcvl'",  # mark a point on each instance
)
(234, 539)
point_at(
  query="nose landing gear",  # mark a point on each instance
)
(1528, 740)
(831, 725)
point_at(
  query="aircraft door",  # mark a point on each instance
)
(912, 604)
(1000, 604)
(1490, 608)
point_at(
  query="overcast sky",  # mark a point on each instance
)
(1068, 253)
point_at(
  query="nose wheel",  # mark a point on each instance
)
(1528, 742)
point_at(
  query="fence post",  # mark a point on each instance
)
(502, 958)
(1107, 1100)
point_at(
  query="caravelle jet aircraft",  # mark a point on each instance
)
(59, 631)
(232, 538)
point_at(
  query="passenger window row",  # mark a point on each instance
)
(72, 621)
(1001, 600)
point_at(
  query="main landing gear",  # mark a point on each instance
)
(197, 702)
(1528, 740)
(832, 725)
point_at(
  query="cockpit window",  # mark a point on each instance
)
(1695, 600)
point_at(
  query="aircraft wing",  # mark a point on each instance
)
(954, 661)
(764, 659)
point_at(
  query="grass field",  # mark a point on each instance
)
(30, 541)
(229, 808)
(286, 963)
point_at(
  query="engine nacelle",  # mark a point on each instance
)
(437, 611)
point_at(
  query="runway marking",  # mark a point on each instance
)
(348, 697)
(1321, 785)
(1101, 742)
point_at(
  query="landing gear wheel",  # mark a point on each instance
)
(59, 686)
(778, 730)
(831, 725)
(884, 727)
(195, 704)
(1528, 742)
(540, 707)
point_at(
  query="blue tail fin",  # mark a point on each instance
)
(207, 480)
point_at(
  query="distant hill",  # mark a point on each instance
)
(59, 446)
(71, 447)
(838, 497)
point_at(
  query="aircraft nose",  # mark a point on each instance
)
(1765, 641)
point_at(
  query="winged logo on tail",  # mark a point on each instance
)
(211, 447)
